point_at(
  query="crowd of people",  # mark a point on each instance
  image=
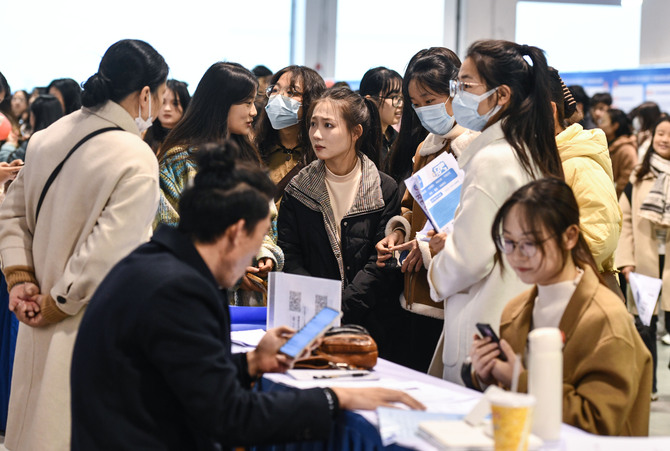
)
(158, 209)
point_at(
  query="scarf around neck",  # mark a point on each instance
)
(656, 206)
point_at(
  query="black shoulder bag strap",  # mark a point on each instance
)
(58, 168)
(283, 183)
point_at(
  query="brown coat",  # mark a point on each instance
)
(416, 294)
(607, 369)
(623, 153)
(637, 245)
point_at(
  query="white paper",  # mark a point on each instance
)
(293, 300)
(645, 291)
(400, 425)
(452, 434)
(247, 338)
(437, 189)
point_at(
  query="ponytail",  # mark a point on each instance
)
(528, 120)
(371, 140)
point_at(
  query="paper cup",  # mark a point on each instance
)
(512, 415)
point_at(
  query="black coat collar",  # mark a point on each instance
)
(182, 247)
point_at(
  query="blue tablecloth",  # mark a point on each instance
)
(9, 327)
(247, 318)
(351, 432)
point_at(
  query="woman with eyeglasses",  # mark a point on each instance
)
(221, 108)
(385, 87)
(502, 90)
(606, 369)
(428, 87)
(282, 134)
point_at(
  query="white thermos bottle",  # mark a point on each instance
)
(545, 381)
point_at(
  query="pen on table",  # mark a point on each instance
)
(333, 376)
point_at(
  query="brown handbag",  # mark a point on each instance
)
(349, 346)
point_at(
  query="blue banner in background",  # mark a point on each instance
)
(629, 88)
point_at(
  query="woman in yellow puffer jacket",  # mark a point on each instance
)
(588, 171)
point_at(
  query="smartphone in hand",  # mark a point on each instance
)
(314, 328)
(487, 331)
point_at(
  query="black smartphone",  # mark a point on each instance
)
(487, 331)
(314, 328)
(397, 260)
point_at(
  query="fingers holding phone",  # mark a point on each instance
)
(267, 358)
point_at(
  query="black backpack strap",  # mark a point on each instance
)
(58, 168)
(628, 190)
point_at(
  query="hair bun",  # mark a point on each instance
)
(97, 89)
(215, 164)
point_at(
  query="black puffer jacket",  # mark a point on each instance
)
(307, 235)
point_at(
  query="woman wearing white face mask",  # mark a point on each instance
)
(54, 253)
(501, 90)
(427, 80)
(282, 134)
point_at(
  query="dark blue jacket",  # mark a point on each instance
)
(152, 365)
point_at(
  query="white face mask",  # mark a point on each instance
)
(435, 118)
(282, 111)
(143, 125)
(637, 124)
(465, 105)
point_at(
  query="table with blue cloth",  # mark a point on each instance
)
(357, 431)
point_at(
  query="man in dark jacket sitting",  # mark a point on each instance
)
(152, 365)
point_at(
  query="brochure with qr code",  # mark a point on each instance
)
(293, 300)
(437, 189)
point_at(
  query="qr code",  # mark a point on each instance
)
(320, 303)
(294, 301)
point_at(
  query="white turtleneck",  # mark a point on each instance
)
(342, 191)
(552, 300)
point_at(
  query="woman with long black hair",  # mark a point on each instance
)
(221, 108)
(503, 91)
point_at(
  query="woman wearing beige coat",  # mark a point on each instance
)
(646, 219)
(98, 208)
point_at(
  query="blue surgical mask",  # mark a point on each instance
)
(465, 106)
(282, 111)
(435, 118)
(142, 124)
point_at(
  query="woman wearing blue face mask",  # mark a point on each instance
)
(502, 90)
(427, 81)
(282, 135)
